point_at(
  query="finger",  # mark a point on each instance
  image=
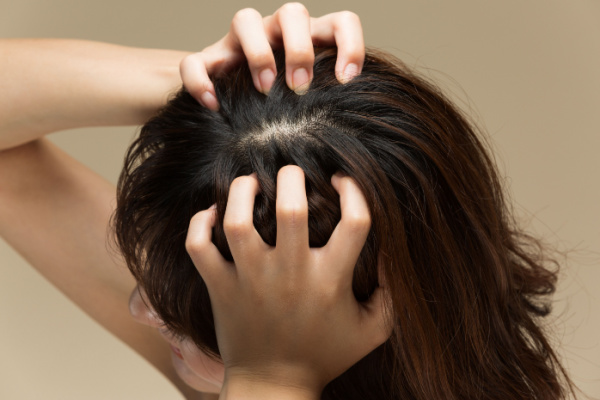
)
(344, 30)
(195, 79)
(294, 22)
(204, 254)
(349, 236)
(291, 209)
(248, 29)
(238, 225)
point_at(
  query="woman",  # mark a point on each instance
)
(463, 290)
(95, 84)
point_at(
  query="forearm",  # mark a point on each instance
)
(55, 212)
(55, 84)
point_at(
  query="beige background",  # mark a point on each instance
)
(528, 71)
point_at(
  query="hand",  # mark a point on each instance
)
(253, 37)
(286, 318)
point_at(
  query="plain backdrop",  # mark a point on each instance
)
(527, 72)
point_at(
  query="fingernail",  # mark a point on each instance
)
(213, 207)
(300, 81)
(209, 100)
(266, 78)
(350, 72)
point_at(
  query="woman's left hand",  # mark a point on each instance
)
(253, 37)
(286, 318)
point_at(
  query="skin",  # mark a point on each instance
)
(253, 38)
(312, 316)
(195, 368)
(55, 211)
(306, 328)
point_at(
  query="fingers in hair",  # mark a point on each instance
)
(291, 211)
(248, 28)
(294, 22)
(206, 257)
(344, 30)
(349, 236)
(194, 75)
(238, 225)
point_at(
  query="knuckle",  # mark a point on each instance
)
(195, 245)
(187, 60)
(294, 213)
(191, 61)
(244, 15)
(196, 242)
(236, 229)
(358, 222)
(260, 59)
(300, 55)
(294, 8)
(348, 17)
(195, 81)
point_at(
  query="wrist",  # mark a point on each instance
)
(279, 386)
(160, 80)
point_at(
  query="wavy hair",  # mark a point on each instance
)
(468, 288)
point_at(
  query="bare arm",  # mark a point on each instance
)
(54, 210)
(56, 84)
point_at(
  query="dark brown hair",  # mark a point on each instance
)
(468, 288)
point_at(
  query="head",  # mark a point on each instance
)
(466, 288)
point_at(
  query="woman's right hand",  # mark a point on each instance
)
(254, 37)
(286, 318)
